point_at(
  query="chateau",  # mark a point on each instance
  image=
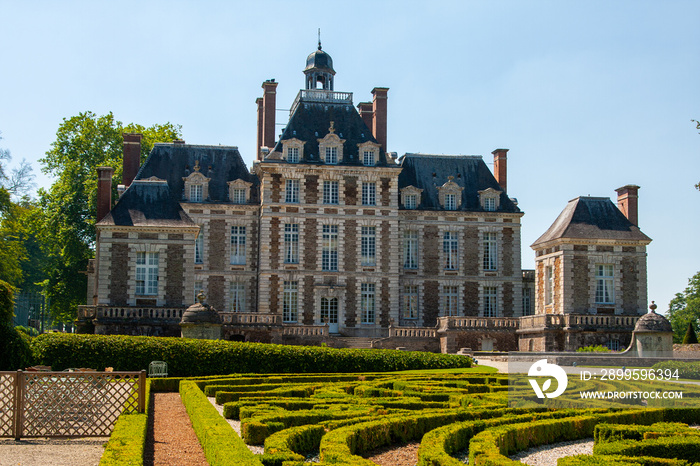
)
(332, 239)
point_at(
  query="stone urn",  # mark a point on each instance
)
(201, 321)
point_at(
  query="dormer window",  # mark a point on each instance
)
(368, 152)
(490, 199)
(239, 191)
(196, 185)
(330, 147)
(293, 150)
(450, 194)
(411, 197)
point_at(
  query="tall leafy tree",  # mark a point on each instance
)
(684, 309)
(83, 143)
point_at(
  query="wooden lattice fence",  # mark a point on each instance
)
(67, 404)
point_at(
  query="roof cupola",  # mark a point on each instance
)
(319, 69)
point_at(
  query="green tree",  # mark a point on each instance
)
(690, 336)
(684, 309)
(83, 143)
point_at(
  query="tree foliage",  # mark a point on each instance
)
(691, 337)
(684, 309)
(83, 143)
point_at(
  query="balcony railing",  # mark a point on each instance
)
(128, 312)
(250, 318)
(577, 320)
(306, 330)
(495, 323)
(321, 96)
(413, 332)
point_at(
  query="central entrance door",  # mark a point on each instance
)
(329, 313)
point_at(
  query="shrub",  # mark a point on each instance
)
(690, 335)
(593, 349)
(224, 357)
(15, 349)
(686, 370)
(683, 448)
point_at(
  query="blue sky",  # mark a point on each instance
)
(588, 95)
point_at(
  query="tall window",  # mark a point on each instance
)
(238, 297)
(410, 302)
(490, 204)
(410, 201)
(293, 154)
(237, 245)
(238, 196)
(450, 202)
(369, 194)
(291, 243)
(330, 192)
(332, 155)
(146, 273)
(549, 284)
(290, 301)
(450, 306)
(490, 261)
(368, 158)
(196, 192)
(291, 195)
(450, 249)
(490, 305)
(329, 255)
(367, 304)
(605, 284)
(527, 302)
(329, 310)
(368, 246)
(410, 249)
(199, 247)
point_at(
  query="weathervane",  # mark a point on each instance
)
(319, 38)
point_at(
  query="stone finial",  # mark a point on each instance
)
(201, 297)
(652, 307)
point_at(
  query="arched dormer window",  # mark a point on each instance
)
(293, 150)
(196, 186)
(411, 197)
(239, 191)
(490, 199)
(368, 153)
(330, 147)
(450, 194)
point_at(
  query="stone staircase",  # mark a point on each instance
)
(356, 342)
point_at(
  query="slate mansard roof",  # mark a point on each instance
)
(311, 121)
(153, 198)
(588, 218)
(428, 172)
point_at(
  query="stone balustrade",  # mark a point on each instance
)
(129, 312)
(250, 318)
(413, 332)
(321, 96)
(578, 320)
(492, 323)
(306, 330)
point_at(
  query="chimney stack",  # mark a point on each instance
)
(269, 102)
(261, 116)
(627, 202)
(379, 109)
(366, 114)
(132, 157)
(500, 167)
(104, 191)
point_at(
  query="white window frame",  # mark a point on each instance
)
(291, 243)
(410, 201)
(410, 302)
(291, 192)
(548, 285)
(369, 193)
(450, 201)
(527, 301)
(450, 300)
(331, 155)
(450, 250)
(605, 284)
(293, 154)
(367, 303)
(490, 204)
(328, 304)
(239, 196)
(329, 248)
(147, 273)
(290, 302)
(368, 245)
(490, 259)
(330, 192)
(410, 249)
(238, 302)
(490, 301)
(368, 158)
(238, 240)
(196, 192)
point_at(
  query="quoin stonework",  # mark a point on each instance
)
(330, 238)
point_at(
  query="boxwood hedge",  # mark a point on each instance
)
(192, 358)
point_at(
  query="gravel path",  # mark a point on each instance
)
(52, 451)
(547, 455)
(406, 455)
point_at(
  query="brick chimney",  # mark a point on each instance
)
(500, 167)
(366, 114)
(261, 114)
(627, 202)
(379, 110)
(132, 157)
(269, 102)
(104, 191)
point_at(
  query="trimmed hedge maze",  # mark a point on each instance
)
(340, 417)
